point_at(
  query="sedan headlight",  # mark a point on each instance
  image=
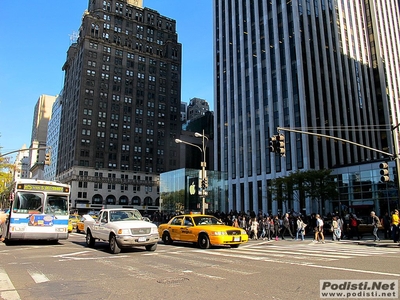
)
(219, 233)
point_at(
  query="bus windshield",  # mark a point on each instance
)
(28, 202)
(57, 205)
(32, 203)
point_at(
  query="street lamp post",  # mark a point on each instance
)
(203, 165)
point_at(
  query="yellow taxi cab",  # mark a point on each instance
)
(203, 230)
(80, 226)
(70, 226)
(74, 220)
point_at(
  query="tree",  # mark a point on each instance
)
(315, 184)
(320, 186)
(5, 180)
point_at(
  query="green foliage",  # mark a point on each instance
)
(173, 202)
(5, 176)
(315, 184)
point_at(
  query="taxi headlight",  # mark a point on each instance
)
(219, 232)
(124, 231)
(243, 231)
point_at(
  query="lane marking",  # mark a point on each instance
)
(306, 264)
(38, 277)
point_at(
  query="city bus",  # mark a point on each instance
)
(39, 211)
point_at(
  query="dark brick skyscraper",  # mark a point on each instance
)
(121, 105)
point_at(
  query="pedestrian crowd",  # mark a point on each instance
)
(296, 226)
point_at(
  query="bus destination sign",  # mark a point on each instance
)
(43, 188)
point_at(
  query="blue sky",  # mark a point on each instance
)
(36, 37)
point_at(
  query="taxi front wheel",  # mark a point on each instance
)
(166, 238)
(204, 241)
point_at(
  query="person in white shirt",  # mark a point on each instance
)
(320, 229)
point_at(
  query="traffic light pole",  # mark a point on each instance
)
(395, 134)
(20, 150)
(395, 155)
(203, 167)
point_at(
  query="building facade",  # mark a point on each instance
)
(53, 133)
(196, 108)
(326, 67)
(41, 118)
(21, 164)
(121, 106)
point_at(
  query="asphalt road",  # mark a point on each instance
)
(257, 270)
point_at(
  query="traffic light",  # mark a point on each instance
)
(272, 143)
(47, 159)
(280, 145)
(384, 172)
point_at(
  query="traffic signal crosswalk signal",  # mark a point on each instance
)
(47, 159)
(384, 172)
(277, 144)
(204, 183)
(280, 145)
(272, 143)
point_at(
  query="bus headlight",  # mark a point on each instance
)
(16, 228)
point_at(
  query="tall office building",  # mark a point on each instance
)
(41, 118)
(53, 134)
(121, 105)
(328, 67)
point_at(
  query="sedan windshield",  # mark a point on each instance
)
(207, 220)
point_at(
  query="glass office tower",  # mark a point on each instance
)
(322, 66)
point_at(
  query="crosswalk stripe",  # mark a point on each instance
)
(38, 277)
(296, 252)
(7, 289)
(312, 251)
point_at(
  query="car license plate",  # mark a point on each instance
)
(236, 239)
(141, 239)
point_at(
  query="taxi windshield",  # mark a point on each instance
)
(207, 220)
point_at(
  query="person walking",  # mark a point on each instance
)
(340, 227)
(277, 225)
(254, 228)
(320, 229)
(353, 223)
(269, 228)
(395, 226)
(286, 226)
(301, 227)
(335, 229)
(2, 230)
(375, 223)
